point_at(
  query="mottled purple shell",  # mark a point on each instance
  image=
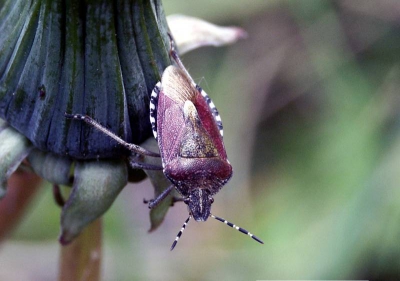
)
(191, 146)
(99, 58)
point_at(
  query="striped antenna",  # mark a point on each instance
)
(180, 232)
(242, 230)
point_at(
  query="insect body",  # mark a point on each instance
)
(190, 140)
(189, 133)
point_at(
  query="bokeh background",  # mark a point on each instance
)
(311, 109)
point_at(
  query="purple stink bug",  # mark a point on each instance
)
(189, 132)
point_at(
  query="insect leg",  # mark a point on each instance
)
(174, 200)
(132, 147)
(154, 202)
(143, 166)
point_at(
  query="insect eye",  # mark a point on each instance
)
(186, 200)
(211, 200)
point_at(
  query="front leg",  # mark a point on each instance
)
(174, 200)
(154, 202)
(135, 164)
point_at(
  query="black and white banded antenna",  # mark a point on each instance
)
(242, 230)
(180, 232)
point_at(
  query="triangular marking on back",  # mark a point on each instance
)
(177, 85)
(196, 142)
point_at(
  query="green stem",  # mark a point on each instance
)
(81, 260)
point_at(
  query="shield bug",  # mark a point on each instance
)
(189, 132)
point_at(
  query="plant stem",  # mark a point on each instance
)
(81, 260)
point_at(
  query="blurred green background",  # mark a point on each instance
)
(310, 104)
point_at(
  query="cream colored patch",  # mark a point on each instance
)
(196, 142)
(177, 85)
(190, 112)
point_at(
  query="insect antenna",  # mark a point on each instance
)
(242, 230)
(180, 232)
